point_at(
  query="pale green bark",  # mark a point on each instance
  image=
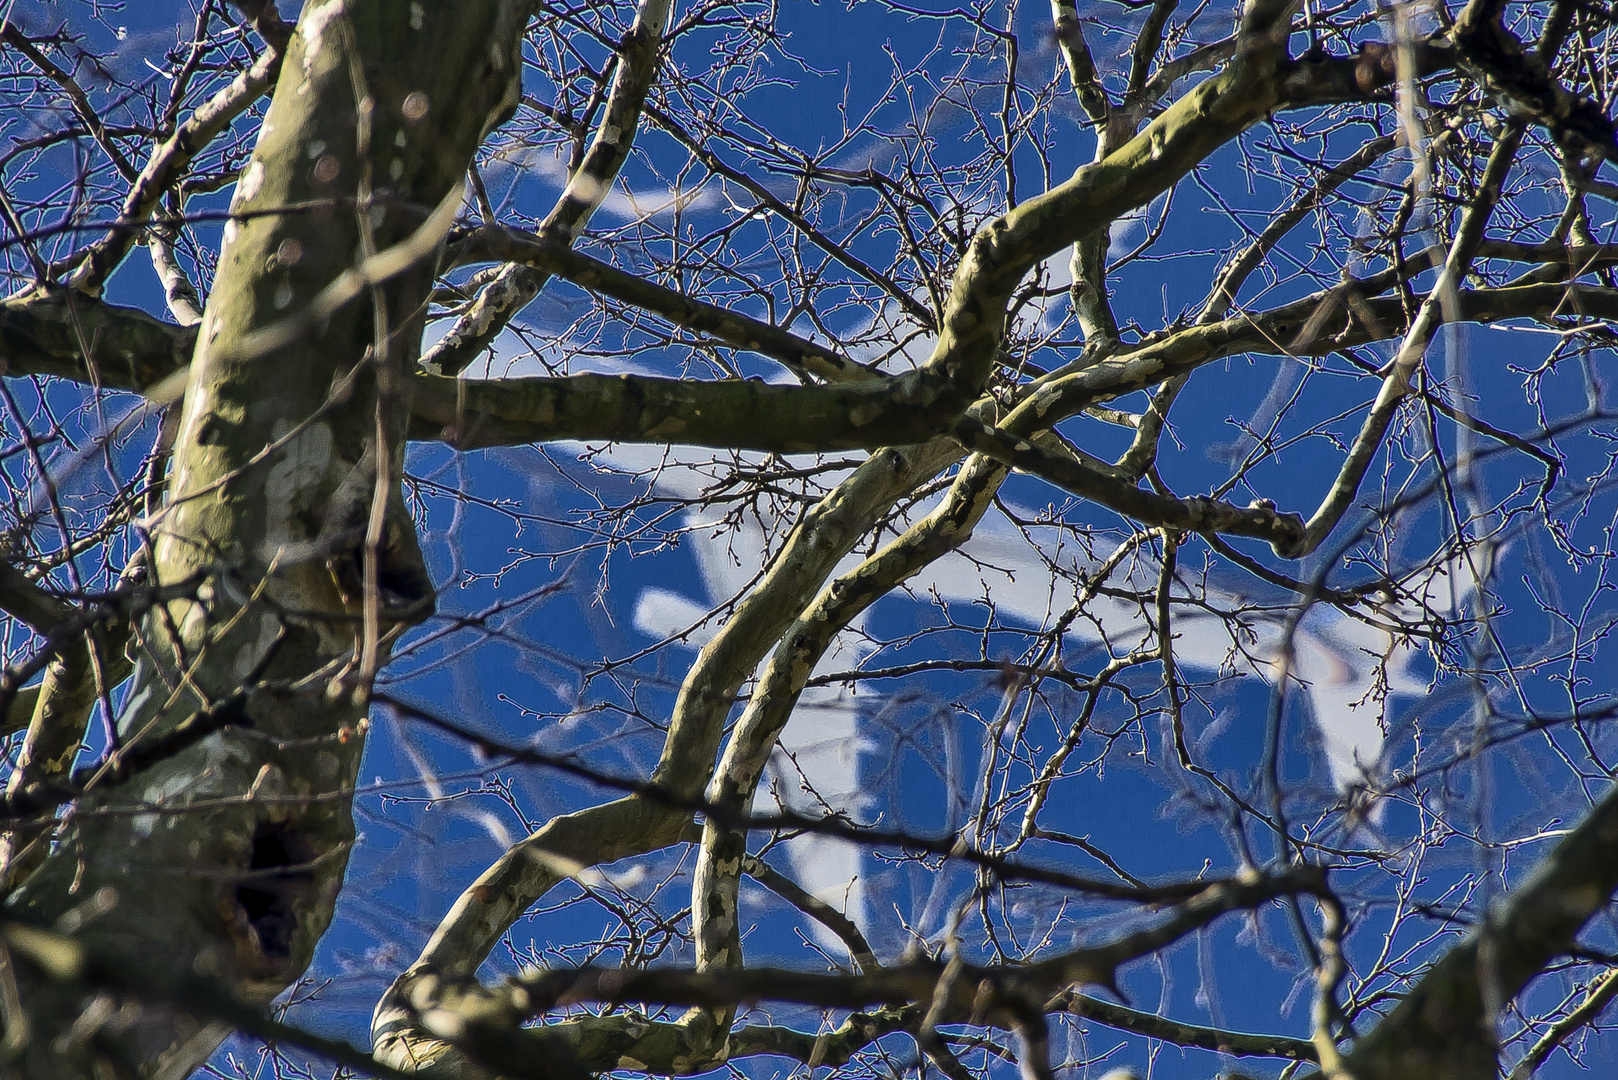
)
(715, 916)
(736, 413)
(224, 860)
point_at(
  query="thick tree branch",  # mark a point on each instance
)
(1443, 1028)
(266, 19)
(487, 1018)
(715, 918)
(25, 601)
(1081, 68)
(86, 972)
(44, 333)
(642, 822)
(1519, 77)
(734, 413)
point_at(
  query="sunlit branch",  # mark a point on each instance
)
(1333, 325)
(735, 413)
(1081, 68)
(1005, 249)
(80, 675)
(1401, 369)
(641, 821)
(168, 164)
(803, 357)
(715, 919)
(517, 284)
(184, 303)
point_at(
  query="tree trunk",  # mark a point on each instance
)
(224, 859)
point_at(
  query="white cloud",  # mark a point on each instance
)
(616, 202)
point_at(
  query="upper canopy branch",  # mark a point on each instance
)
(498, 302)
(803, 357)
(1521, 79)
(22, 599)
(1284, 531)
(1334, 319)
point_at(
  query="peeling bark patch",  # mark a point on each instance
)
(251, 183)
(313, 26)
(303, 463)
(276, 877)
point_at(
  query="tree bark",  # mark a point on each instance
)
(225, 859)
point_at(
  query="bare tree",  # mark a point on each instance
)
(473, 311)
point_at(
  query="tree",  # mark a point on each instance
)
(956, 326)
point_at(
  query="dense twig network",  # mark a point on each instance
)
(911, 566)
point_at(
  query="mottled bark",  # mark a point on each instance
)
(224, 859)
(738, 413)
